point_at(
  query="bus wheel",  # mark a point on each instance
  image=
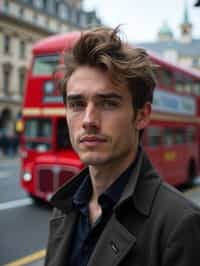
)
(191, 172)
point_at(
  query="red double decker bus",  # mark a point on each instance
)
(48, 160)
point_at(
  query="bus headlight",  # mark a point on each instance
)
(27, 176)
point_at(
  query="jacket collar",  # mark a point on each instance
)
(141, 188)
(63, 197)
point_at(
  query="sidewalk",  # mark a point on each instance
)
(9, 159)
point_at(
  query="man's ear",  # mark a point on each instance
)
(143, 116)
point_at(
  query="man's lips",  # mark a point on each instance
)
(92, 139)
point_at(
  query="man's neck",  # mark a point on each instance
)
(102, 177)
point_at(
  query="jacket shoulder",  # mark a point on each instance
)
(171, 208)
(175, 200)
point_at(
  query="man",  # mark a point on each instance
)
(117, 211)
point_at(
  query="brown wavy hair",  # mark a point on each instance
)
(103, 48)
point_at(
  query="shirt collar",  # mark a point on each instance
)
(83, 194)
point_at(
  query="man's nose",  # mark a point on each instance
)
(91, 117)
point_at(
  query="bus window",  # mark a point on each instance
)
(179, 136)
(38, 128)
(166, 78)
(196, 89)
(188, 87)
(179, 87)
(184, 83)
(62, 139)
(190, 135)
(38, 134)
(167, 137)
(45, 65)
(153, 136)
(179, 81)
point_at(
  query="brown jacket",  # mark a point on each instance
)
(152, 225)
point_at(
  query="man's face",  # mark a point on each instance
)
(100, 118)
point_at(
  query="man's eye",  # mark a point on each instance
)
(77, 105)
(110, 104)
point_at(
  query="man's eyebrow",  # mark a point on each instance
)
(109, 96)
(74, 97)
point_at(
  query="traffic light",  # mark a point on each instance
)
(197, 3)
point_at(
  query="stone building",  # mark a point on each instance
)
(22, 22)
(184, 51)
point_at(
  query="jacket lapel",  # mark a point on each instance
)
(113, 245)
(61, 229)
(144, 180)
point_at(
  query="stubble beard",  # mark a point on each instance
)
(104, 160)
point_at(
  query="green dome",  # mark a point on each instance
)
(165, 29)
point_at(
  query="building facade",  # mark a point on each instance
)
(184, 51)
(23, 22)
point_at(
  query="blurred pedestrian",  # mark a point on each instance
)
(6, 140)
(117, 211)
(19, 127)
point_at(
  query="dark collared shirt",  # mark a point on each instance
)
(85, 235)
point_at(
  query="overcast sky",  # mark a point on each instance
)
(143, 18)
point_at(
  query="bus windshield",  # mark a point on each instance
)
(45, 65)
(38, 134)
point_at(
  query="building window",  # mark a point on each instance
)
(22, 49)
(56, 8)
(195, 62)
(83, 19)
(45, 4)
(78, 17)
(21, 81)
(7, 44)
(38, 3)
(47, 21)
(73, 16)
(63, 11)
(21, 11)
(51, 6)
(6, 5)
(35, 17)
(6, 81)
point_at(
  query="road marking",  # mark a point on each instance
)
(5, 174)
(28, 259)
(15, 204)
